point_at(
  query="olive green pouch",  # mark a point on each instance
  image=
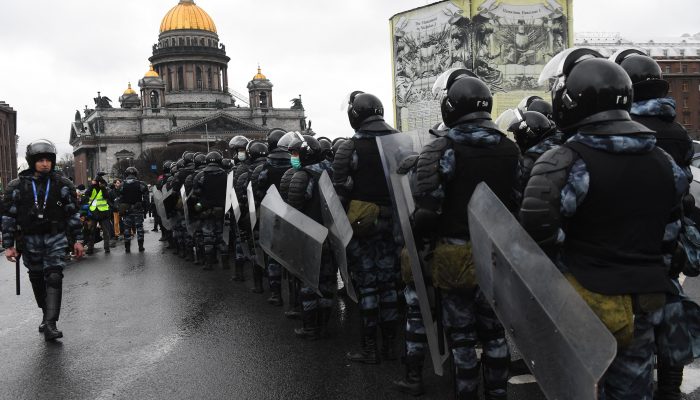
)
(453, 267)
(615, 311)
(363, 217)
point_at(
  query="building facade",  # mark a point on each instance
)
(8, 144)
(679, 59)
(183, 98)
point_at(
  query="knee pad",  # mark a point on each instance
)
(53, 279)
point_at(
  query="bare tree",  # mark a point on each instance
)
(67, 164)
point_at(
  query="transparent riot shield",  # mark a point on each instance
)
(159, 197)
(393, 148)
(565, 345)
(291, 238)
(259, 254)
(339, 230)
(185, 209)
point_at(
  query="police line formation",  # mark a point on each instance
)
(573, 240)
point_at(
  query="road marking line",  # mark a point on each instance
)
(522, 379)
(691, 380)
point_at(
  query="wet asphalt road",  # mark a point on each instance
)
(152, 326)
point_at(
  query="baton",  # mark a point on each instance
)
(17, 291)
(438, 317)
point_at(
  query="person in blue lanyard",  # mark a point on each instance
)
(40, 221)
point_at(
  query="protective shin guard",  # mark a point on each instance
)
(669, 382)
(388, 349)
(238, 274)
(54, 293)
(257, 280)
(39, 289)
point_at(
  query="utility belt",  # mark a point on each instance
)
(125, 208)
(43, 228)
(214, 212)
(367, 218)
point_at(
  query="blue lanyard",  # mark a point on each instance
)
(46, 195)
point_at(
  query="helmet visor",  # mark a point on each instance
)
(561, 63)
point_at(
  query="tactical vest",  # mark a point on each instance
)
(369, 183)
(97, 201)
(310, 207)
(54, 215)
(214, 184)
(670, 136)
(131, 192)
(613, 242)
(495, 165)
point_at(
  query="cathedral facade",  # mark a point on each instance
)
(183, 98)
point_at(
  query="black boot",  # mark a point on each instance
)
(324, 316)
(669, 382)
(209, 261)
(310, 328)
(127, 246)
(39, 289)
(257, 280)
(141, 248)
(163, 235)
(238, 275)
(412, 382)
(368, 353)
(276, 296)
(388, 349)
(54, 292)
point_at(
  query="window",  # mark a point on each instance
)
(686, 119)
(685, 102)
(684, 68)
(685, 86)
(667, 69)
(198, 78)
(180, 79)
(665, 52)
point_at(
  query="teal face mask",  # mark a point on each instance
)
(296, 162)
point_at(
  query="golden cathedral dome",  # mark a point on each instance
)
(259, 76)
(151, 73)
(187, 15)
(129, 90)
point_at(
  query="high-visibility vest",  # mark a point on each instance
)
(97, 201)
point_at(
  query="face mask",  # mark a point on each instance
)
(296, 162)
(242, 156)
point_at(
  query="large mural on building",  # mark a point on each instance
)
(505, 42)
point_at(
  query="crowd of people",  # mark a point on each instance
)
(599, 178)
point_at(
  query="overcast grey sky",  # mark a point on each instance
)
(55, 55)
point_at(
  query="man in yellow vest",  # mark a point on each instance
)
(99, 205)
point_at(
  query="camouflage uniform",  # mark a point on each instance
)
(134, 197)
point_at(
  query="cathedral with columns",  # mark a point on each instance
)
(183, 98)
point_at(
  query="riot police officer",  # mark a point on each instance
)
(39, 208)
(473, 150)
(652, 108)
(610, 249)
(209, 194)
(307, 159)
(133, 199)
(238, 144)
(160, 182)
(358, 176)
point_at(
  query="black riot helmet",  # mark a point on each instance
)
(273, 136)
(325, 143)
(166, 166)
(39, 149)
(645, 74)
(214, 158)
(336, 144)
(256, 149)
(173, 167)
(238, 142)
(188, 156)
(531, 129)
(594, 90)
(131, 171)
(541, 106)
(467, 99)
(363, 106)
(199, 159)
(285, 140)
(180, 164)
(226, 163)
(308, 148)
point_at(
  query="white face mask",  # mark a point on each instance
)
(242, 156)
